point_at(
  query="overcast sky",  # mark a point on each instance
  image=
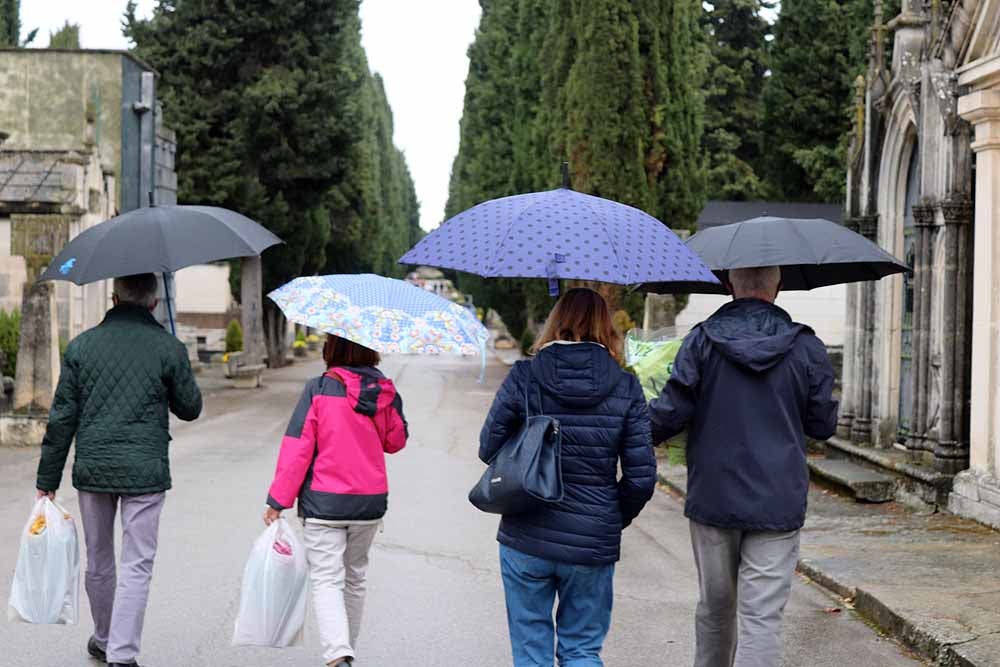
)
(424, 70)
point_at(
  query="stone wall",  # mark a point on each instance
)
(48, 95)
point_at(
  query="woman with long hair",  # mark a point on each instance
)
(332, 461)
(570, 548)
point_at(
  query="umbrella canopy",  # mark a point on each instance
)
(383, 314)
(561, 234)
(811, 253)
(158, 239)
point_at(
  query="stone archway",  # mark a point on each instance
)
(899, 149)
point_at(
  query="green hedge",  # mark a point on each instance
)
(234, 337)
(10, 337)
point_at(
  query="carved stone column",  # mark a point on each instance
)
(849, 378)
(923, 220)
(951, 452)
(861, 429)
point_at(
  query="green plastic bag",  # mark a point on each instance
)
(651, 357)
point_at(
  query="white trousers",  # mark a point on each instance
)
(338, 563)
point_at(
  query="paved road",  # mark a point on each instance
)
(435, 591)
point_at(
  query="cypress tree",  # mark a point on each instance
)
(681, 176)
(807, 98)
(10, 23)
(272, 102)
(734, 110)
(610, 86)
(67, 37)
(486, 167)
(605, 134)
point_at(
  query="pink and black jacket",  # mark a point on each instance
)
(333, 455)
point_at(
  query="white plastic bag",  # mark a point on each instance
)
(273, 596)
(46, 586)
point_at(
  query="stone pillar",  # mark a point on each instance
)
(861, 429)
(976, 492)
(38, 350)
(252, 311)
(951, 452)
(849, 374)
(923, 220)
(660, 311)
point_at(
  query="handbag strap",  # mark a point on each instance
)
(527, 404)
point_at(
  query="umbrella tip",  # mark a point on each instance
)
(565, 175)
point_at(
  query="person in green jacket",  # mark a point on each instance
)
(119, 382)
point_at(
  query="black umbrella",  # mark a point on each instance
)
(158, 239)
(811, 253)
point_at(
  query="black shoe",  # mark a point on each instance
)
(95, 651)
(123, 664)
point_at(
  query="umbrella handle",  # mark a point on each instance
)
(170, 308)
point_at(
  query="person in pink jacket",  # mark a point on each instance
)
(332, 461)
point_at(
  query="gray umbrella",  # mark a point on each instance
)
(811, 253)
(158, 239)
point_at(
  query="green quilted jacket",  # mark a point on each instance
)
(118, 381)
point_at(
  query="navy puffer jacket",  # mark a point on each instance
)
(604, 420)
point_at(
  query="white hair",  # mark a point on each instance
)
(763, 280)
(138, 290)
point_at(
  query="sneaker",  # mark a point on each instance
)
(95, 651)
(123, 664)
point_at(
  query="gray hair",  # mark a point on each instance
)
(138, 290)
(755, 281)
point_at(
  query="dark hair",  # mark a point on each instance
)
(339, 351)
(138, 290)
(581, 314)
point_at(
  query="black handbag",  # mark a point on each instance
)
(526, 472)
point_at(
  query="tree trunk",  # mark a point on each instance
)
(275, 331)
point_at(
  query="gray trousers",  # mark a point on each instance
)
(745, 580)
(118, 598)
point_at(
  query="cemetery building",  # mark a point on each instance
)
(83, 143)
(921, 371)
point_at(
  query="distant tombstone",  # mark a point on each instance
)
(660, 312)
(38, 350)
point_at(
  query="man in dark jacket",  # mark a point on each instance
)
(118, 383)
(750, 386)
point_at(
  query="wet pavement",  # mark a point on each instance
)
(435, 594)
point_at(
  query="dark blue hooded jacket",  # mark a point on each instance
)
(604, 420)
(749, 385)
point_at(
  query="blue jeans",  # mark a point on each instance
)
(582, 619)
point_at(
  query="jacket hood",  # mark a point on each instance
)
(576, 374)
(368, 391)
(752, 333)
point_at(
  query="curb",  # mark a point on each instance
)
(926, 643)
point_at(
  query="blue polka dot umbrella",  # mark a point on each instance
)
(562, 234)
(386, 315)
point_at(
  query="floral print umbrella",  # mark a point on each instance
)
(387, 315)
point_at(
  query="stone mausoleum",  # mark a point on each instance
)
(82, 142)
(922, 351)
